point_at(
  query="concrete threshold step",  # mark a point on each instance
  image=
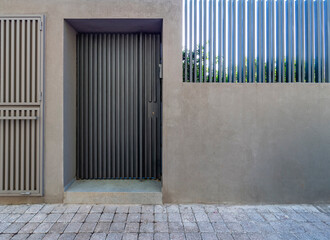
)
(114, 192)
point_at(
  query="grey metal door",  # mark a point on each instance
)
(119, 102)
(21, 105)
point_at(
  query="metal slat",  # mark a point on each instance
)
(186, 42)
(124, 105)
(20, 121)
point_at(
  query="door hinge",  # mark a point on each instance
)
(40, 97)
(160, 70)
(40, 25)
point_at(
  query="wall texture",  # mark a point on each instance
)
(69, 106)
(235, 143)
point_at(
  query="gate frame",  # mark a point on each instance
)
(41, 99)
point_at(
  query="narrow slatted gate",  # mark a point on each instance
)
(119, 101)
(21, 111)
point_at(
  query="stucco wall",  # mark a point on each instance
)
(249, 143)
(69, 106)
(237, 143)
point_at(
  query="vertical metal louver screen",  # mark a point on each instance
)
(119, 97)
(264, 41)
(21, 81)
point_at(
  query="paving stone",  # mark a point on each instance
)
(185, 209)
(58, 228)
(73, 208)
(220, 227)
(53, 217)
(172, 209)
(205, 227)
(210, 209)
(43, 228)
(14, 228)
(254, 216)
(188, 217)
(147, 209)
(110, 209)
(83, 236)
(281, 216)
(21, 209)
(106, 217)
(36, 236)
(132, 227)
(161, 227)
(93, 217)
(79, 217)
(51, 236)
(12, 217)
(174, 217)
(29, 227)
(66, 217)
(133, 217)
(3, 216)
(134, 209)
(73, 227)
(162, 236)
(270, 217)
(6, 236)
(122, 209)
(234, 227)
(147, 217)
(130, 236)
(102, 227)
(117, 227)
(159, 209)
(9, 209)
(240, 236)
(190, 227)
(146, 236)
(120, 217)
(193, 236)
(177, 236)
(87, 227)
(59, 209)
(160, 217)
(47, 208)
(84, 209)
(201, 217)
(147, 227)
(67, 236)
(215, 217)
(198, 208)
(97, 209)
(20, 236)
(228, 217)
(209, 236)
(98, 236)
(175, 227)
(224, 236)
(39, 217)
(34, 208)
(114, 236)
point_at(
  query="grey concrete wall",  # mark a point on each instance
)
(236, 143)
(69, 106)
(249, 143)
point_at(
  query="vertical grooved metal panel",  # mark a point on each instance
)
(119, 117)
(286, 41)
(21, 105)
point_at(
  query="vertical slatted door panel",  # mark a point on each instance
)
(21, 119)
(118, 106)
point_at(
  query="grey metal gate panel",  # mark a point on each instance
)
(21, 105)
(119, 97)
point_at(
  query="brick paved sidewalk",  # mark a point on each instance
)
(146, 222)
